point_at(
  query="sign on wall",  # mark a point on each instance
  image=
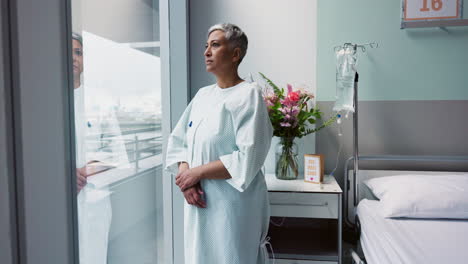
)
(417, 10)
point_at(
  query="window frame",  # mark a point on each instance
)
(8, 229)
(37, 119)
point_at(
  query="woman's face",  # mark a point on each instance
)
(219, 57)
(77, 58)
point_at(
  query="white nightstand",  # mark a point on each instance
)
(299, 199)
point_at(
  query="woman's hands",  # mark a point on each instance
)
(80, 178)
(193, 194)
(188, 178)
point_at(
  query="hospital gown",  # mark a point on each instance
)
(94, 204)
(231, 125)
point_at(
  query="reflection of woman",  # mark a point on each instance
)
(219, 146)
(93, 204)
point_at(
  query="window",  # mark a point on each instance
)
(118, 129)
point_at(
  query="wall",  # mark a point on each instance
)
(282, 43)
(413, 89)
(410, 64)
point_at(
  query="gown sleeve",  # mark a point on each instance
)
(253, 132)
(177, 143)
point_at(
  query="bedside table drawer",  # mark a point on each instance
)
(308, 205)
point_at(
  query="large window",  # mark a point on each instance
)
(118, 135)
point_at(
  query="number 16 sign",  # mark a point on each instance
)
(414, 10)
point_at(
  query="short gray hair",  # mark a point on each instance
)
(78, 38)
(234, 35)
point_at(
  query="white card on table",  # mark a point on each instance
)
(313, 168)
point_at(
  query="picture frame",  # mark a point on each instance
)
(314, 167)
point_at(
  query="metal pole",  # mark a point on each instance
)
(355, 133)
(136, 154)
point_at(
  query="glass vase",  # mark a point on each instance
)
(286, 159)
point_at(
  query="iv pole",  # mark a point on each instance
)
(355, 128)
(355, 131)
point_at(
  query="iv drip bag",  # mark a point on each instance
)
(345, 71)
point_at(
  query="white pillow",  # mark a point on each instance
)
(422, 196)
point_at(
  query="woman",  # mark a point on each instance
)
(94, 215)
(219, 146)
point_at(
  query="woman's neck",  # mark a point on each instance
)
(76, 83)
(228, 80)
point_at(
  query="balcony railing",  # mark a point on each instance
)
(143, 147)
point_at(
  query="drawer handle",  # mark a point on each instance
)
(306, 204)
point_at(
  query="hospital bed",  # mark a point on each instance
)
(384, 240)
(401, 240)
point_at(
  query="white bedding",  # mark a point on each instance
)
(410, 241)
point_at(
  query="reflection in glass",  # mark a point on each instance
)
(117, 91)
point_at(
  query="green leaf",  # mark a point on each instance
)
(325, 124)
(316, 113)
(277, 90)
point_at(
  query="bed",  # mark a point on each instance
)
(385, 240)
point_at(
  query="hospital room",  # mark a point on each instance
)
(234, 132)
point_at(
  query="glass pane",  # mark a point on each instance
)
(117, 91)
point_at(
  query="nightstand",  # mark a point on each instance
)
(321, 205)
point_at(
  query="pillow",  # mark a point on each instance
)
(422, 196)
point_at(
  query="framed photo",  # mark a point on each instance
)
(314, 166)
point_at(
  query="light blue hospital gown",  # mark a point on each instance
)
(231, 125)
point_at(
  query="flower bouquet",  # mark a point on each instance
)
(291, 112)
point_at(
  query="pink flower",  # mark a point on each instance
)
(294, 110)
(285, 124)
(294, 96)
(305, 92)
(289, 88)
(270, 98)
(288, 102)
(293, 121)
(268, 103)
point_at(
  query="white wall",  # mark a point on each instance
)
(282, 44)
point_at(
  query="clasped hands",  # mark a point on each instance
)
(91, 168)
(81, 178)
(188, 181)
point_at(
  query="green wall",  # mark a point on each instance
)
(410, 64)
